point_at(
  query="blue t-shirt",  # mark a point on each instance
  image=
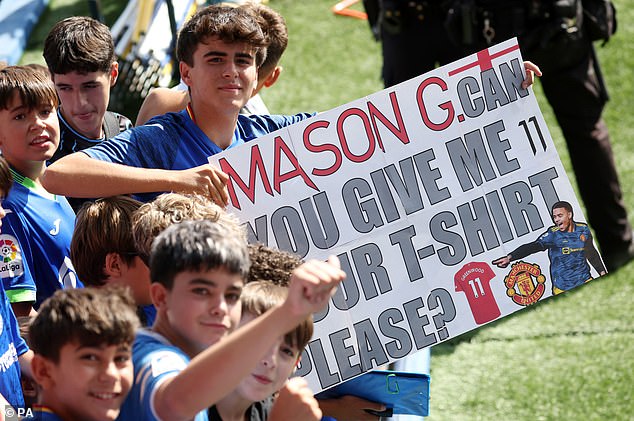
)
(155, 360)
(174, 142)
(70, 140)
(42, 413)
(148, 315)
(11, 347)
(566, 251)
(35, 243)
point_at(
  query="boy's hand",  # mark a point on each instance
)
(295, 402)
(531, 71)
(350, 408)
(206, 180)
(312, 284)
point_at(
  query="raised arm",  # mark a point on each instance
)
(215, 372)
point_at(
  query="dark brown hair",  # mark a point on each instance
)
(276, 32)
(79, 44)
(270, 264)
(197, 246)
(260, 296)
(102, 227)
(229, 24)
(88, 316)
(33, 86)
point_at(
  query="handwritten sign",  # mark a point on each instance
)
(417, 189)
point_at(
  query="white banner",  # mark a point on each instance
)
(418, 189)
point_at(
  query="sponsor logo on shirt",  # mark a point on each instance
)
(55, 229)
(9, 358)
(66, 276)
(165, 362)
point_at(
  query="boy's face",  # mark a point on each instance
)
(84, 99)
(88, 383)
(28, 135)
(135, 276)
(272, 371)
(202, 307)
(223, 76)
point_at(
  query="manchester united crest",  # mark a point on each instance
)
(525, 283)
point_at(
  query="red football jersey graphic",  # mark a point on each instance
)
(474, 280)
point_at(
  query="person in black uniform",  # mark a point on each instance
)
(557, 36)
(412, 35)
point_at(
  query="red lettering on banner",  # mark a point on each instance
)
(278, 178)
(370, 134)
(368, 131)
(399, 131)
(447, 106)
(257, 165)
(321, 124)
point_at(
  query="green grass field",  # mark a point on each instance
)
(569, 358)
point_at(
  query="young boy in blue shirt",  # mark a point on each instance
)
(220, 49)
(82, 340)
(36, 235)
(15, 356)
(113, 237)
(153, 217)
(188, 361)
(164, 100)
(79, 53)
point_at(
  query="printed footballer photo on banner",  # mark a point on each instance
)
(443, 197)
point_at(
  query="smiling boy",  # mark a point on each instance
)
(254, 398)
(82, 340)
(188, 361)
(220, 49)
(163, 100)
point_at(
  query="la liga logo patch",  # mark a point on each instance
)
(10, 257)
(525, 283)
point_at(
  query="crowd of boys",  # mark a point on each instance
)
(175, 263)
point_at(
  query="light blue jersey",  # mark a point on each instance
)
(173, 141)
(155, 360)
(42, 413)
(35, 243)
